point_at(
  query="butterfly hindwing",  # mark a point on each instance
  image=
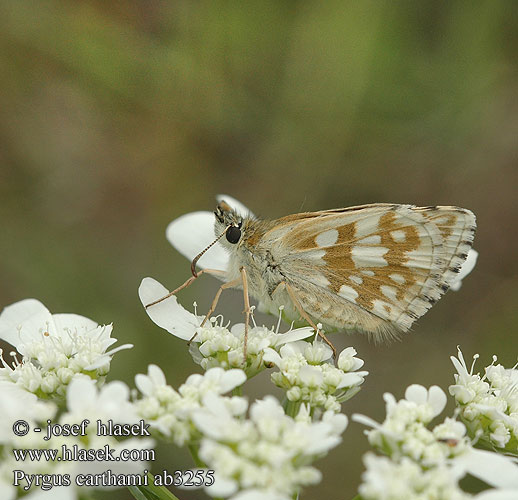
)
(394, 261)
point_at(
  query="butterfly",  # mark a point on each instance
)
(372, 268)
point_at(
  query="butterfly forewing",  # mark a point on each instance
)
(392, 261)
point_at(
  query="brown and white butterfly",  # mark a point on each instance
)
(370, 268)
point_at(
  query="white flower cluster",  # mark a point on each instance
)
(215, 344)
(385, 479)
(219, 346)
(308, 375)
(405, 433)
(424, 460)
(267, 455)
(170, 412)
(54, 348)
(83, 401)
(488, 404)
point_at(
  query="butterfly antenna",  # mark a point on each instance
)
(198, 257)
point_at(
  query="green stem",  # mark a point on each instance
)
(151, 492)
(237, 391)
(137, 493)
(291, 408)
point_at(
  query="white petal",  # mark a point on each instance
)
(222, 487)
(9, 492)
(106, 357)
(311, 376)
(167, 314)
(63, 493)
(29, 312)
(73, 323)
(114, 392)
(268, 407)
(81, 393)
(460, 367)
(511, 494)
(156, 375)
(235, 204)
(144, 384)
(259, 495)
(338, 421)
(294, 335)
(191, 233)
(350, 379)
(365, 420)
(271, 356)
(466, 268)
(208, 425)
(320, 439)
(390, 401)
(437, 399)
(416, 393)
(231, 379)
(494, 469)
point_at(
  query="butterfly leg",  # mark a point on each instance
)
(212, 308)
(184, 285)
(247, 310)
(296, 303)
(224, 286)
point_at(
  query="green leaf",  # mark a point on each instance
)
(151, 492)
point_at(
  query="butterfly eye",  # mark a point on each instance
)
(233, 234)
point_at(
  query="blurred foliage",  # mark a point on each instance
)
(117, 117)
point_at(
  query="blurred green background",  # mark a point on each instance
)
(116, 117)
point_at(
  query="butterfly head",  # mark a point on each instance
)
(229, 223)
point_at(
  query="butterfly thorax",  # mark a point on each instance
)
(262, 265)
(249, 251)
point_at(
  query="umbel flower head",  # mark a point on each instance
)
(214, 344)
(308, 375)
(268, 454)
(170, 412)
(488, 404)
(18, 404)
(405, 429)
(84, 400)
(422, 456)
(54, 348)
(386, 479)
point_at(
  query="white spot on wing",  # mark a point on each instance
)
(440, 220)
(373, 239)
(348, 293)
(356, 279)
(397, 278)
(327, 238)
(368, 272)
(379, 307)
(398, 235)
(320, 280)
(389, 292)
(369, 256)
(367, 226)
(315, 255)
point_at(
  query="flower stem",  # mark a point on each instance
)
(237, 391)
(291, 408)
(151, 492)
